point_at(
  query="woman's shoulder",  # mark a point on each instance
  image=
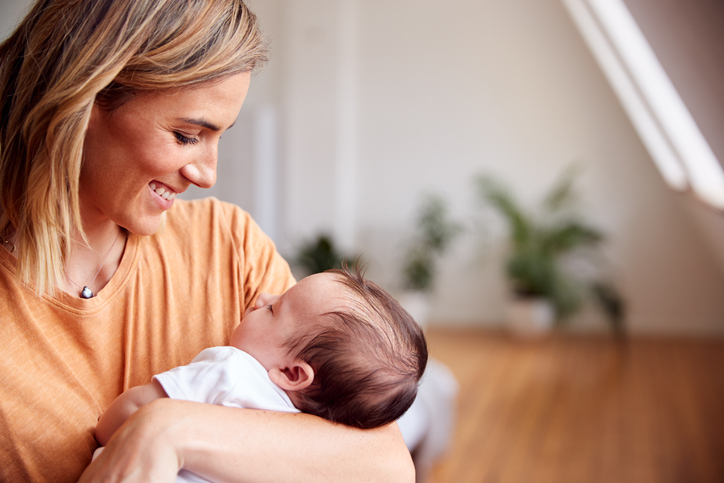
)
(210, 208)
(210, 221)
(207, 216)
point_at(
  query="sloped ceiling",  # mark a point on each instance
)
(688, 39)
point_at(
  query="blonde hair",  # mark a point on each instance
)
(68, 54)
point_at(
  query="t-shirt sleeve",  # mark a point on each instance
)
(225, 376)
(262, 268)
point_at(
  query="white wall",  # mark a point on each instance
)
(377, 101)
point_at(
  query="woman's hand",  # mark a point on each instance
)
(142, 449)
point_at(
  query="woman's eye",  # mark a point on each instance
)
(185, 140)
(270, 308)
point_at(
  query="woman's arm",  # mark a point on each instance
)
(124, 406)
(230, 444)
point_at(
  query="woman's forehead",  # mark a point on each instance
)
(214, 103)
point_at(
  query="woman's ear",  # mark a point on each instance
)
(295, 377)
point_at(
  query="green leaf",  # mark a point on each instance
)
(435, 229)
(499, 197)
(320, 254)
(568, 236)
(562, 195)
(434, 232)
(418, 271)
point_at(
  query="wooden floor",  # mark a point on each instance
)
(583, 409)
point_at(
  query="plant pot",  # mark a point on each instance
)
(417, 304)
(530, 317)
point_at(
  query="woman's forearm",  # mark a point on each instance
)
(228, 444)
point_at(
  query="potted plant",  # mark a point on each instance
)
(434, 232)
(320, 254)
(541, 248)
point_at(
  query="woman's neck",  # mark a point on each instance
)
(93, 262)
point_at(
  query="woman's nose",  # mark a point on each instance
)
(202, 171)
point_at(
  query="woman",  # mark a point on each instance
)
(109, 109)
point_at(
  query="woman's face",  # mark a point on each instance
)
(138, 157)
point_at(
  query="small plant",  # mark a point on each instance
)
(433, 234)
(320, 254)
(541, 244)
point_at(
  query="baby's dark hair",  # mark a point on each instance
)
(367, 358)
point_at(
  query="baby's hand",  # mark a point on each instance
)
(124, 406)
(139, 451)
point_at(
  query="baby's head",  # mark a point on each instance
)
(340, 346)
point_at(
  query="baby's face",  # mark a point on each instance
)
(274, 319)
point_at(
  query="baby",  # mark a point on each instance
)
(335, 345)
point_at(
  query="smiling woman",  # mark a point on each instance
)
(108, 110)
(145, 152)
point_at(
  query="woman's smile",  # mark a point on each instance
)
(162, 194)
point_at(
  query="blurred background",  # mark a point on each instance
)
(368, 108)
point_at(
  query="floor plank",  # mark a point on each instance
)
(582, 409)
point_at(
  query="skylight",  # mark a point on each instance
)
(662, 120)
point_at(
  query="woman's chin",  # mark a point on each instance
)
(146, 227)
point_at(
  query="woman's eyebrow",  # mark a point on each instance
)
(204, 123)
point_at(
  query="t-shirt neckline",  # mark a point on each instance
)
(103, 297)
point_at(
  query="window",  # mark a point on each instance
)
(662, 120)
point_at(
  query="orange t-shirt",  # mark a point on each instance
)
(63, 359)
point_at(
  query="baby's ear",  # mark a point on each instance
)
(295, 377)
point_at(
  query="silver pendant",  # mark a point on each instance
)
(86, 293)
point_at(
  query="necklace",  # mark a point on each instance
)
(7, 244)
(86, 292)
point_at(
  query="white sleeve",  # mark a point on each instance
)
(225, 376)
